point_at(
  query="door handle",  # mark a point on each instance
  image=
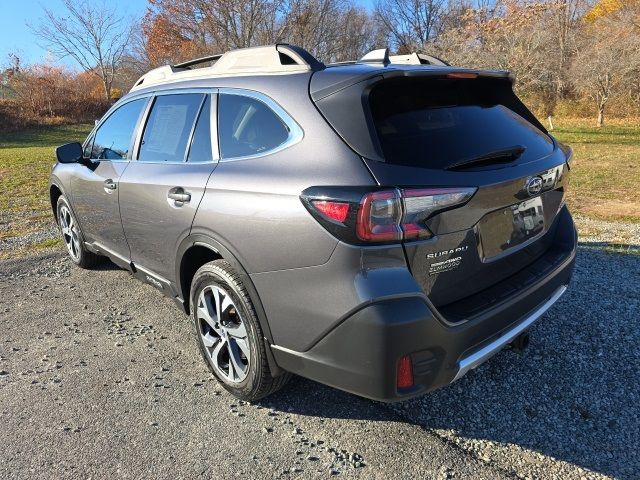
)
(109, 184)
(178, 195)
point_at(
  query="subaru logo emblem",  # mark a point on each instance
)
(533, 186)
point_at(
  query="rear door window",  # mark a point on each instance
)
(436, 123)
(248, 127)
(169, 127)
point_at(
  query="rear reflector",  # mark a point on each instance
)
(336, 211)
(404, 378)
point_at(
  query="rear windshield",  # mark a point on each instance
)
(436, 123)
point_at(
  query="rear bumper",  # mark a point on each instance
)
(360, 355)
(485, 352)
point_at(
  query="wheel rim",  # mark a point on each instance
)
(223, 334)
(69, 232)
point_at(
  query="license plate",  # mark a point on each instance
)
(510, 227)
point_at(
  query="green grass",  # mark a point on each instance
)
(604, 182)
(605, 178)
(26, 159)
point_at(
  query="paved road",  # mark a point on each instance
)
(100, 378)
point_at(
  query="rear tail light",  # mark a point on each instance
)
(382, 216)
(336, 211)
(404, 375)
(420, 204)
(379, 217)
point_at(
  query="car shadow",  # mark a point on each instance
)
(107, 265)
(572, 396)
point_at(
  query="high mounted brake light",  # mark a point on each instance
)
(381, 216)
(462, 75)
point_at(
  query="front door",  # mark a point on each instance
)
(160, 191)
(95, 187)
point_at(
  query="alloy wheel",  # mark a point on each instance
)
(223, 334)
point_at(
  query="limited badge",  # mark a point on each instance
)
(445, 265)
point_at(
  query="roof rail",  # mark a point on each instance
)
(272, 59)
(376, 56)
(418, 59)
(197, 61)
(382, 56)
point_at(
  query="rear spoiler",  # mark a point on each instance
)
(403, 70)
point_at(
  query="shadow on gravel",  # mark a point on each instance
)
(106, 266)
(572, 396)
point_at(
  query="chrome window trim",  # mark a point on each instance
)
(296, 134)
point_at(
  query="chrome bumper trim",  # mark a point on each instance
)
(485, 353)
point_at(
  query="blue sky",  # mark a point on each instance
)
(16, 37)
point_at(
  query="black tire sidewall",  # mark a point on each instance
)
(211, 274)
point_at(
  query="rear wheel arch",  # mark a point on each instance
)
(195, 251)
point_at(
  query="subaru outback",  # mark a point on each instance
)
(381, 226)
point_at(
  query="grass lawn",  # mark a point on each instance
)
(26, 159)
(605, 178)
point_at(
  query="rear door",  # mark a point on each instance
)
(95, 187)
(161, 190)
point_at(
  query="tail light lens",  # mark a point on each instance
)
(382, 216)
(379, 217)
(420, 204)
(336, 211)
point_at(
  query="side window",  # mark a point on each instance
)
(168, 128)
(113, 138)
(247, 126)
(200, 150)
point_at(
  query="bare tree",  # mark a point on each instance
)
(332, 30)
(608, 59)
(410, 23)
(91, 33)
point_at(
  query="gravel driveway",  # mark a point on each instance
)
(100, 377)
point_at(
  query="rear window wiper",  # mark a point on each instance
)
(506, 155)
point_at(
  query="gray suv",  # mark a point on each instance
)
(381, 226)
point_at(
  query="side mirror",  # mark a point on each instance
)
(69, 153)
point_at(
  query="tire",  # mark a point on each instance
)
(231, 342)
(72, 236)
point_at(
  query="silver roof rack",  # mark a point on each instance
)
(381, 56)
(417, 59)
(376, 56)
(268, 60)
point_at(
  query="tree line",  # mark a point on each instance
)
(576, 57)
